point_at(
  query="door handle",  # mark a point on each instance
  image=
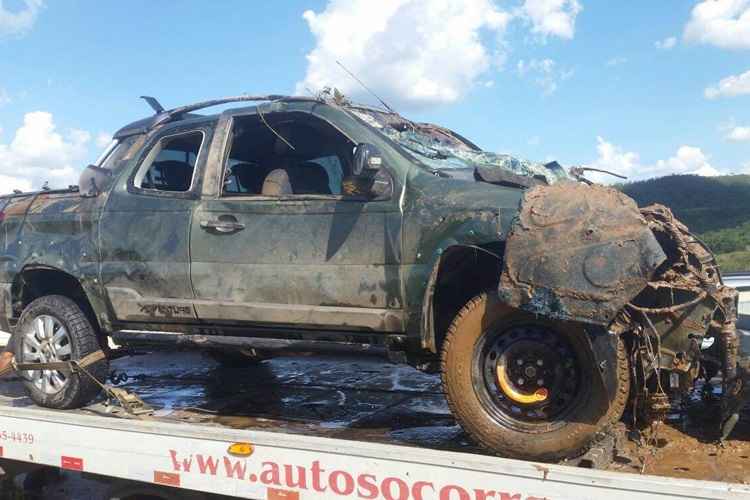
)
(224, 224)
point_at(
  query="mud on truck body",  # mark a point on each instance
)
(312, 224)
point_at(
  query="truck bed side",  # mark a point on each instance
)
(44, 232)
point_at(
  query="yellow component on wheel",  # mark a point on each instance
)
(538, 396)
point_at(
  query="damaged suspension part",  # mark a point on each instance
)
(686, 300)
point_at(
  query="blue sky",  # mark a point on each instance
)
(580, 81)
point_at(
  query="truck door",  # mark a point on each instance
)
(282, 244)
(145, 230)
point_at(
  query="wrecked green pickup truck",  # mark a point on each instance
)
(312, 224)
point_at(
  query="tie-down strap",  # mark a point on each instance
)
(131, 403)
(63, 366)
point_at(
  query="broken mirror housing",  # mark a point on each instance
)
(93, 180)
(366, 158)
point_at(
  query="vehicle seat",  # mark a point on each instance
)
(310, 178)
(177, 175)
(250, 177)
(277, 183)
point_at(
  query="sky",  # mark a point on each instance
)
(641, 88)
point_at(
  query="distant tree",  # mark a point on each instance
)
(717, 209)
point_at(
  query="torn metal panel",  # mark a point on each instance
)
(504, 177)
(578, 252)
(442, 149)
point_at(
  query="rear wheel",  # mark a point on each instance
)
(52, 329)
(526, 387)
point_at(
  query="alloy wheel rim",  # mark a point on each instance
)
(46, 341)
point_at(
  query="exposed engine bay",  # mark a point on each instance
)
(588, 254)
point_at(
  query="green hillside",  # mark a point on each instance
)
(717, 209)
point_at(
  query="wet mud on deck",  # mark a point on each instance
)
(360, 398)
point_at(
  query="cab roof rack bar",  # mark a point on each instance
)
(169, 115)
(163, 116)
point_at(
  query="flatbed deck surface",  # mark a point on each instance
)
(367, 399)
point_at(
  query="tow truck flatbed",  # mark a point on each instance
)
(316, 427)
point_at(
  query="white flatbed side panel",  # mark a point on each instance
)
(742, 283)
(285, 466)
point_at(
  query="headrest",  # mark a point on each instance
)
(277, 183)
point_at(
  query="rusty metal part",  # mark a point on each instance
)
(687, 300)
(658, 407)
(579, 253)
(729, 347)
(579, 173)
(733, 395)
(737, 396)
(587, 253)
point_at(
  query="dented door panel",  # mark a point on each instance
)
(323, 256)
(144, 256)
(145, 242)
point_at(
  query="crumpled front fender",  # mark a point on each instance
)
(578, 252)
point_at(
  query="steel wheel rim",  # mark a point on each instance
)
(562, 377)
(46, 341)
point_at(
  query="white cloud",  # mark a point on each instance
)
(723, 23)
(666, 44)
(9, 184)
(420, 52)
(18, 22)
(545, 72)
(414, 51)
(616, 61)
(739, 134)
(687, 160)
(103, 139)
(38, 153)
(730, 86)
(552, 17)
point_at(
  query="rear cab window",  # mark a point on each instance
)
(170, 165)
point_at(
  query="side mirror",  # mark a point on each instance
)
(93, 181)
(366, 158)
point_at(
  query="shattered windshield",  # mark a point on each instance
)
(441, 149)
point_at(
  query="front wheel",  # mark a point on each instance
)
(52, 329)
(526, 387)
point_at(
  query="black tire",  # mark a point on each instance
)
(237, 359)
(79, 389)
(564, 428)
